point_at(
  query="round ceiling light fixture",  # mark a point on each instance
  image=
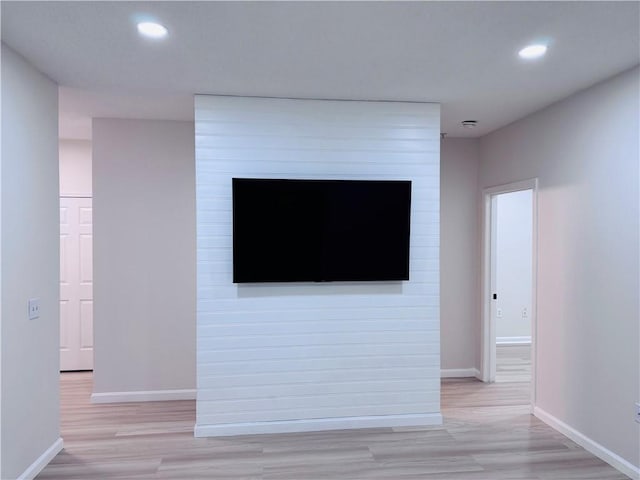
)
(152, 30)
(469, 123)
(531, 52)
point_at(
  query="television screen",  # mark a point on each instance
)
(320, 230)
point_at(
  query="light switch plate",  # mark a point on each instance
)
(34, 308)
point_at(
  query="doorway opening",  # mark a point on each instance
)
(509, 284)
(76, 254)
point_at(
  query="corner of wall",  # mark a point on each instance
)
(30, 264)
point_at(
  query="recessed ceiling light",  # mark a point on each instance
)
(533, 51)
(152, 30)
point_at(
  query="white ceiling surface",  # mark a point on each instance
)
(461, 54)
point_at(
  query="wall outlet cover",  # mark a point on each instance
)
(34, 308)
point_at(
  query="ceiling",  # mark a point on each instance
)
(460, 54)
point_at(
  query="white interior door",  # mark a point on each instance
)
(76, 284)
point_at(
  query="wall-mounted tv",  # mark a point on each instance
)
(320, 230)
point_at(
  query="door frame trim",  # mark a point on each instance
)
(488, 337)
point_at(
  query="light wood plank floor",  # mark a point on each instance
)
(488, 434)
(513, 363)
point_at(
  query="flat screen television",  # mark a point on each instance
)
(320, 230)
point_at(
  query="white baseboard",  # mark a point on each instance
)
(317, 424)
(616, 461)
(43, 460)
(143, 396)
(513, 340)
(459, 373)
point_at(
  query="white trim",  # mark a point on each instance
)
(43, 460)
(488, 343)
(143, 396)
(487, 350)
(459, 373)
(613, 459)
(529, 184)
(74, 195)
(513, 340)
(317, 424)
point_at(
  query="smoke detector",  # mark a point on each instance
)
(469, 123)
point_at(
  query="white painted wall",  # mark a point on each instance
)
(144, 258)
(514, 224)
(29, 423)
(314, 356)
(75, 168)
(584, 150)
(459, 256)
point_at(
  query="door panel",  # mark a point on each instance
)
(86, 259)
(64, 331)
(86, 324)
(76, 284)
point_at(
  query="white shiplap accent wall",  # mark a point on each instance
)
(299, 357)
